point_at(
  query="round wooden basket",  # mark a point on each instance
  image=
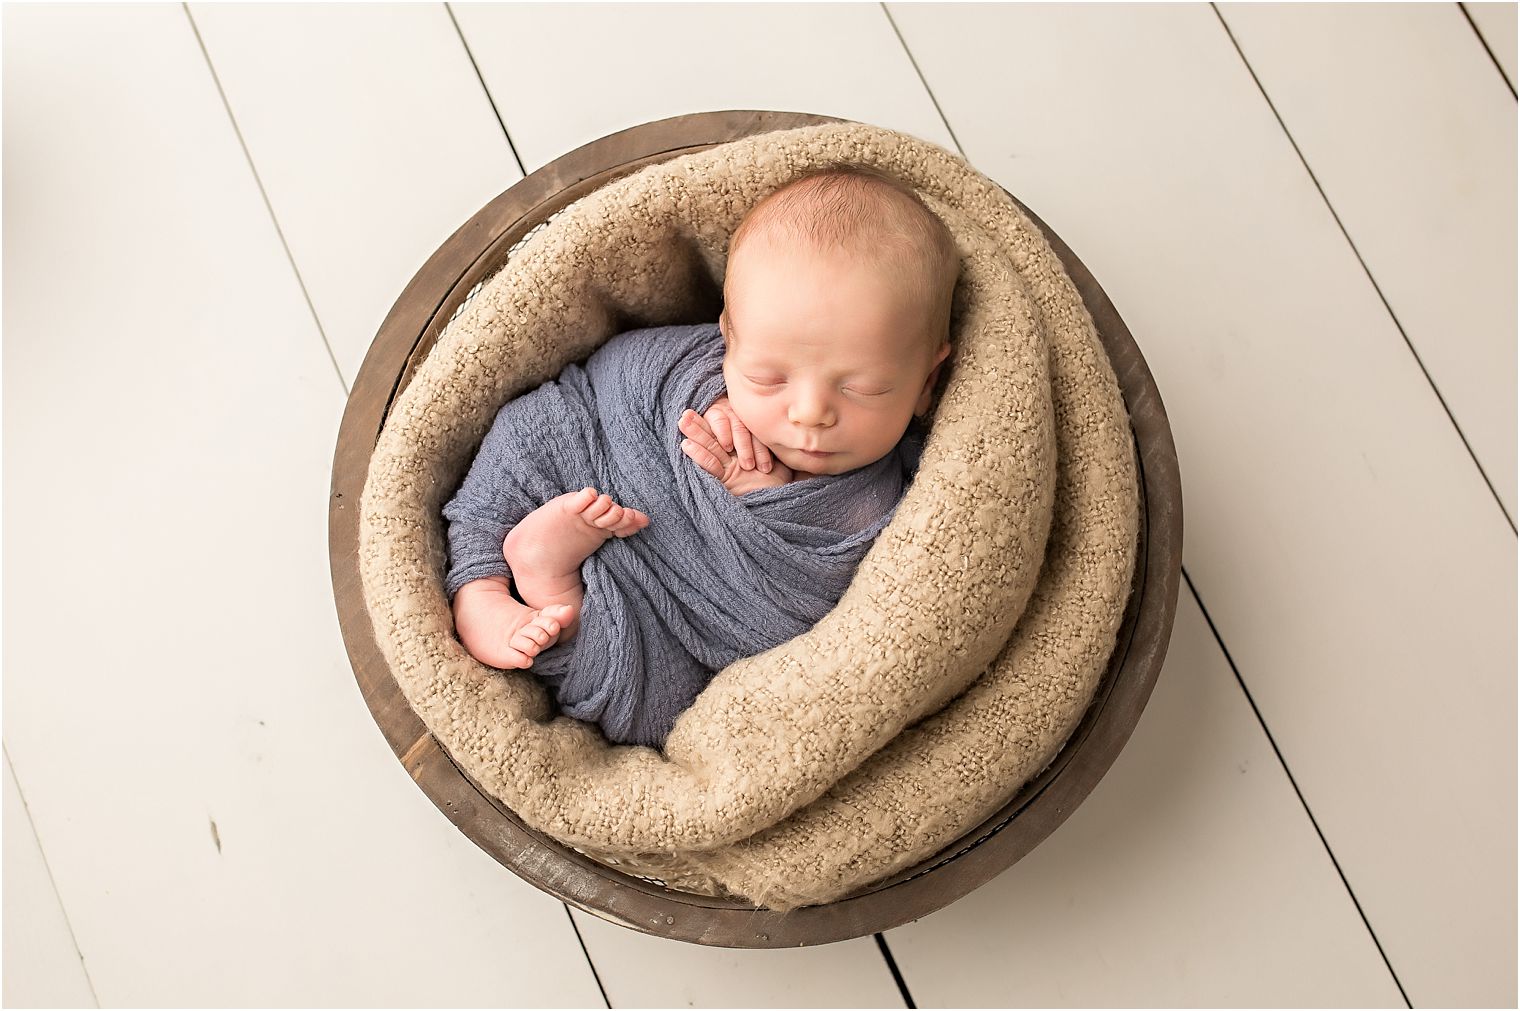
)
(444, 283)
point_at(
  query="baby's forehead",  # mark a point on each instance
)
(767, 339)
(865, 345)
(768, 267)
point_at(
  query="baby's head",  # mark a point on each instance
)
(836, 316)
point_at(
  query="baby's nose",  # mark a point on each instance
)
(811, 415)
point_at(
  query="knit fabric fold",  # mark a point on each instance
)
(962, 653)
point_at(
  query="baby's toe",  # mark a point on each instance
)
(577, 502)
(529, 640)
(516, 659)
(595, 509)
(633, 522)
(558, 613)
(611, 518)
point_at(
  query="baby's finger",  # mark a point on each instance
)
(702, 458)
(717, 420)
(762, 457)
(744, 445)
(695, 428)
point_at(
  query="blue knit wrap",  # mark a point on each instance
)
(712, 579)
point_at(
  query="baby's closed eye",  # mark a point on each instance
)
(862, 391)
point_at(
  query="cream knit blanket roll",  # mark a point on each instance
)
(965, 649)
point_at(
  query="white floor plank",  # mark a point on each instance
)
(1404, 123)
(42, 966)
(641, 971)
(1497, 22)
(224, 822)
(1190, 877)
(373, 139)
(633, 63)
(1350, 554)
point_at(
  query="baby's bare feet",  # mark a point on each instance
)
(546, 549)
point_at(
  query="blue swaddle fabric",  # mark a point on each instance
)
(712, 579)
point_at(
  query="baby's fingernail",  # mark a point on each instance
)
(766, 467)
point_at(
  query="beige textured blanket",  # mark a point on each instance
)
(958, 661)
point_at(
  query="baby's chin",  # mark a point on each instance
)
(814, 466)
(810, 466)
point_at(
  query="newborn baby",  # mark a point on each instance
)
(835, 324)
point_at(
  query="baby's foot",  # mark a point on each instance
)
(546, 549)
(530, 631)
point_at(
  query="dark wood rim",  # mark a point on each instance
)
(409, 331)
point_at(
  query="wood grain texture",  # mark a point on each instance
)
(1348, 553)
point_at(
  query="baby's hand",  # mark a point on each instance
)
(704, 449)
(736, 438)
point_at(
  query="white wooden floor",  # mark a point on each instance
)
(1306, 215)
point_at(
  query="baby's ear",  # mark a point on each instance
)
(921, 408)
(939, 361)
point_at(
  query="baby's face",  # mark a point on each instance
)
(824, 354)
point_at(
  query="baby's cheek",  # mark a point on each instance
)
(751, 418)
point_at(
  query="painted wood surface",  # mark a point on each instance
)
(1339, 536)
(1350, 555)
(639, 62)
(642, 971)
(224, 823)
(372, 144)
(43, 964)
(1496, 23)
(1411, 134)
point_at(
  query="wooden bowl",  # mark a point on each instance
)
(471, 255)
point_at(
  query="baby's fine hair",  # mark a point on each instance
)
(860, 209)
